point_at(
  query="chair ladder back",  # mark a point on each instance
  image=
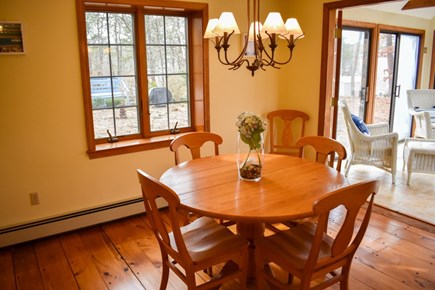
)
(284, 143)
(326, 149)
(352, 198)
(194, 141)
(152, 189)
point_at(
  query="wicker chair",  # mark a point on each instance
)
(421, 105)
(378, 149)
(418, 156)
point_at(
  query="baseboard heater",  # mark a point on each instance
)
(68, 222)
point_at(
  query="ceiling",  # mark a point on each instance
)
(396, 7)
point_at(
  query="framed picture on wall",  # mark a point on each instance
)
(11, 38)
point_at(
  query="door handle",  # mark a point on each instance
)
(397, 91)
(367, 94)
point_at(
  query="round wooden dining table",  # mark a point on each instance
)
(211, 187)
(288, 188)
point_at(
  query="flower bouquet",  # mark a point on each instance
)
(250, 146)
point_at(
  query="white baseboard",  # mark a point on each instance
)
(48, 227)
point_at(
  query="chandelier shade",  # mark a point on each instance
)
(261, 39)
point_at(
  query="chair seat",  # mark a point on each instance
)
(205, 238)
(194, 247)
(294, 245)
(308, 253)
(421, 105)
(419, 156)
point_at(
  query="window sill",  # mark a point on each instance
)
(130, 146)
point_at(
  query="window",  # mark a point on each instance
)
(144, 71)
(168, 79)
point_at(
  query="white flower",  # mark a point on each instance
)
(250, 127)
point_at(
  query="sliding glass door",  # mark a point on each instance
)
(397, 67)
(355, 56)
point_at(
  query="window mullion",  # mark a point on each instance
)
(109, 43)
(142, 81)
(166, 70)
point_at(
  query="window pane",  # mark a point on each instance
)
(99, 64)
(179, 112)
(121, 29)
(126, 121)
(177, 84)
(130, 91)
(156, 63)
(96, 28)
(176, 56)
(154, 29)
(103, 121)
(123, 60)
(159, 117)
(160, 96)
(156, 81)
(175, 30)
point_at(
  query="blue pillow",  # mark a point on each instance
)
(360, 124)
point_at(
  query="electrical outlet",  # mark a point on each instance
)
(34, 198)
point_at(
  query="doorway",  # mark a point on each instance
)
(379, 63)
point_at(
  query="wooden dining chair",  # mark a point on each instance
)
(308, 252)
(326, 150)
(285, 127)
(197, 246)
(194, 141)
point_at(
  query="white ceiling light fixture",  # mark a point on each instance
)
(254, 54)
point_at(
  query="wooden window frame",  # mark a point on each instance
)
(198, 64)
(432, 65)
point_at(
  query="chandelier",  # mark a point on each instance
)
(255, 53)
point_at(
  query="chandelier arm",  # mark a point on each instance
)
(272, 62)
(239, 64)
(222, 42)
(243, 52)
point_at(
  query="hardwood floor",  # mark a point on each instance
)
(124, 255)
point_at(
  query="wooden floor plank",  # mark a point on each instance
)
(111, 266)
(402, 265)
(375, 279)
(136, 243)
(55, 270)
(27, 272)
(81, 263)
(7, 275)
(124, 254)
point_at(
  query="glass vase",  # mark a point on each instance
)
(249, 161)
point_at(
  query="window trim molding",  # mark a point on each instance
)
(199, 71)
